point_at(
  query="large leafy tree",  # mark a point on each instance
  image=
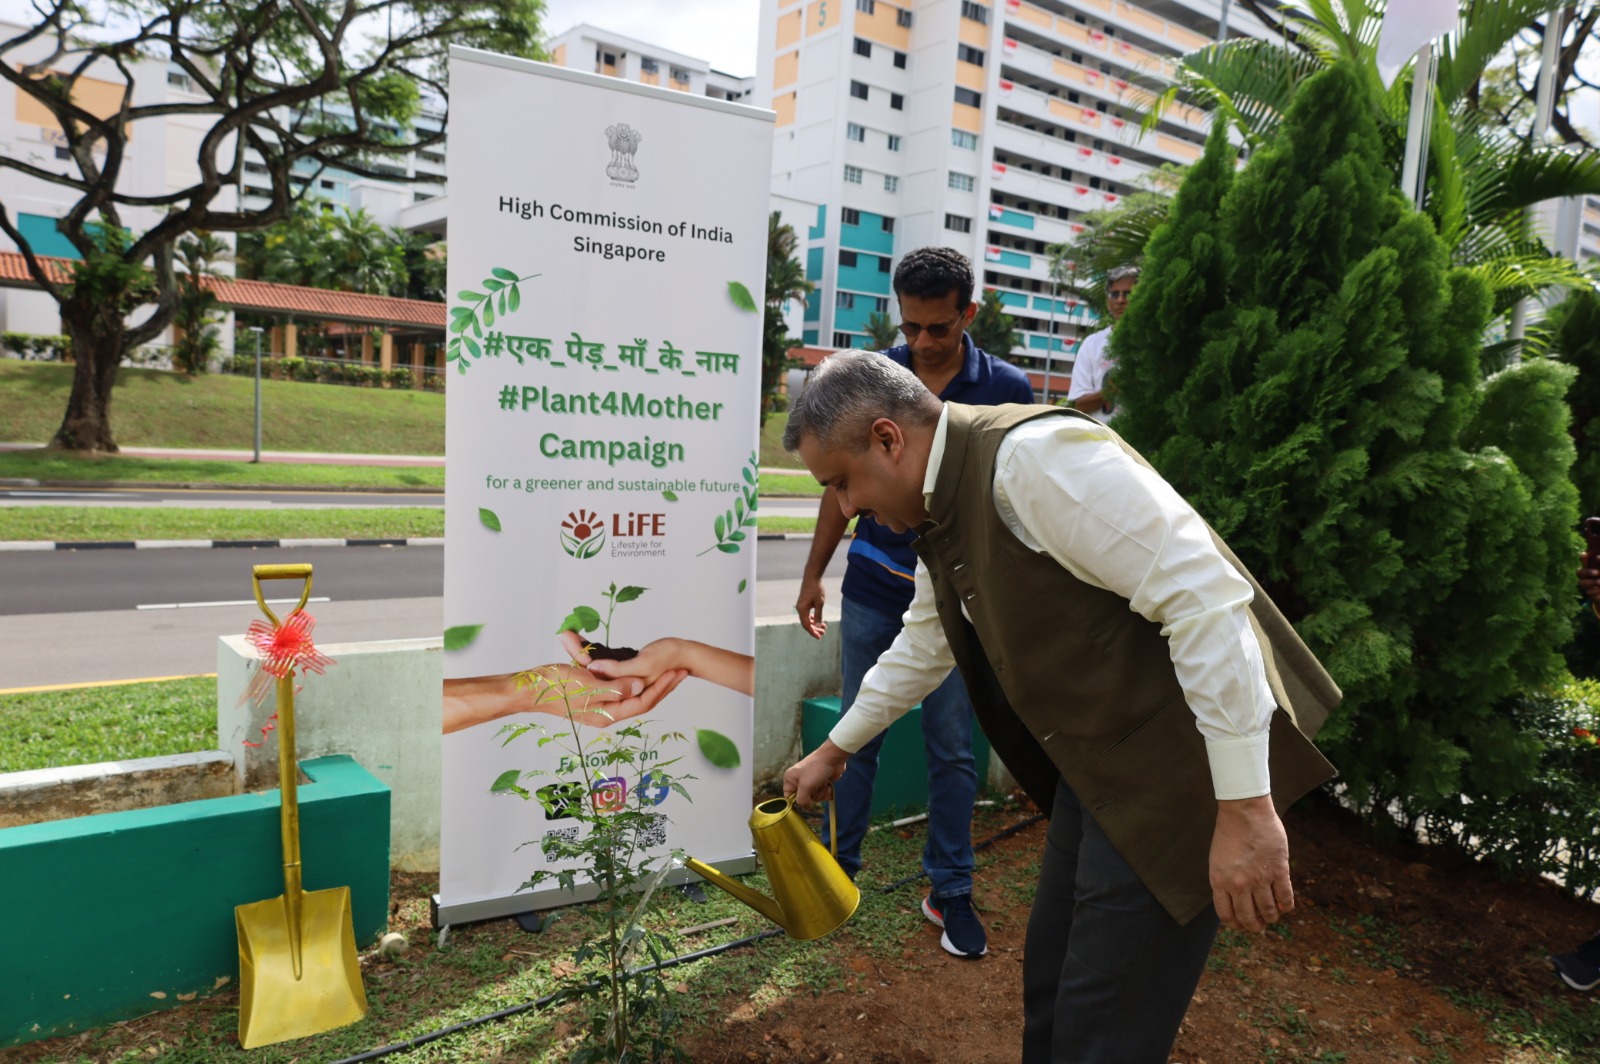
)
(992, 329)
(1301, 359)
(786, 282)
(325, 84)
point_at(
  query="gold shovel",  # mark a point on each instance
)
(298, 973)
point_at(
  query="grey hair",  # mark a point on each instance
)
(1122, 273)
(851, 390)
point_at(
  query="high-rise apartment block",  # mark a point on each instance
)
(989, 127)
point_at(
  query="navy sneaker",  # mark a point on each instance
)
(963, 932)
(1580, 969)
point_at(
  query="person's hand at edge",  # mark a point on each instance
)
(1250, 865)
(811, 779)
(725, 668)
(809, 606)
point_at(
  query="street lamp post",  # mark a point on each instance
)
(258, 330)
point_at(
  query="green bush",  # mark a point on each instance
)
(40, 348)
(1301, 360)
(1550, 825)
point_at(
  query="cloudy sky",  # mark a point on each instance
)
(722, 32)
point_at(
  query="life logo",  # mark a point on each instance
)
(583, 533)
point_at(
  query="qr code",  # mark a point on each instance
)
(552, 849)
(653, 836)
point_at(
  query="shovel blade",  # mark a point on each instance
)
(274, 1006)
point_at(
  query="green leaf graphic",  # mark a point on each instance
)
(490, 519)
(461, 636)
(476, 297)
(628, 594)
(670, 496)
(717, 748)
(581, 619)
(506, 781)
(503, 273)
(741, 296)
(742, 584)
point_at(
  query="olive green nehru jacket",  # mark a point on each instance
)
(1069, 682)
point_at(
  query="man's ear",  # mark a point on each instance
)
(971, 312)
(886, 434)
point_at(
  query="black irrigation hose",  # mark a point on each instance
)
(670, 962)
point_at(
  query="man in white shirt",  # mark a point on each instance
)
(1093, 362)
(1161, 822)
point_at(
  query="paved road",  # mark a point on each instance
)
(73, 616)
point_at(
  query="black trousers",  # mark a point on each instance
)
(1107, 974)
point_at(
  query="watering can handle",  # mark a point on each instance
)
(281, 572)
(833, 827)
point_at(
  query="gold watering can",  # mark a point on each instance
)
(812, 895)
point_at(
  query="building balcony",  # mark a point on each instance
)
(1118, 14)
(1081, 159)
(1026, 184)
(1024, 58)
(1095, 124)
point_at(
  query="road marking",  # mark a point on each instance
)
(102, 683)
(234, 602)
(65, 495)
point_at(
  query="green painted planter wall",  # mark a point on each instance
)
(902, 780)
(121, 914)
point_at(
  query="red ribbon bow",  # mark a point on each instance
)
(284, 648)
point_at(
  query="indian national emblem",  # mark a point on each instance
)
(624, 140)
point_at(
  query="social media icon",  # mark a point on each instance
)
(652, 789)
(559, 799)
(609, 794)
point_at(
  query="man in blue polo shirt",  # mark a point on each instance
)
(933, 286)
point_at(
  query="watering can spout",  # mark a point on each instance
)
(753, 898)
(811, 894)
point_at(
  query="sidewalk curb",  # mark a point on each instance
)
(265, 544)
(179, 544)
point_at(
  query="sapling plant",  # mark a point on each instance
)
(586, 619)
(607, 827)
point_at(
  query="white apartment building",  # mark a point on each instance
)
(989, 126)
(586, 47)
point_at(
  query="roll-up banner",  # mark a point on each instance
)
(607, 264)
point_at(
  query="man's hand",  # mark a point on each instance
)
(811, 780)
(809, 606)
(1249, 865)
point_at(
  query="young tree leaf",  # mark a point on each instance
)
(503, 273)
(741, 296)
(461, 636)
(628, 594)
(670, 496)
(516, 298)
(728, 548)
(475, 297)
(489, 518)
(717, 748)
(742, 584)
(581, 619)
(506, 781)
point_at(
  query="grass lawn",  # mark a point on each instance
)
(57, 465)
(77, 524)
(151, 408)
(772, 452)
(94, 724)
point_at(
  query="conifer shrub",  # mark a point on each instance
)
(1302, 361)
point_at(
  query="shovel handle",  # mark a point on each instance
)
(291, 571)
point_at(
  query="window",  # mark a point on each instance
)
(179, 80)
(968, 97)
(968, 54)
(842, 339)
(251, 190)
(962, 139)
(960, 182)
(863, 48)
(325, 183)
(867, 7)
(844, 300)
(888, 224)
(883, 264)
(255, 168)
(847, 259)
(855, 133)
(957, 224)
(902, 18)
(894, 142)
(431, 157)
(891, 183)
(608, 59)
(65, 153)
(649, 66)
(850, 216)
(897, 101)
(852, 175)
(680, 75)
(418, 197)
(976, 12)
(858, 89)
(900, 60)
(881, 305)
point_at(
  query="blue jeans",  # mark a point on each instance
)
(865, 633)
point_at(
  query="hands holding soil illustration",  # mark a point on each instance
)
(601, 690)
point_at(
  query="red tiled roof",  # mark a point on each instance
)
(319, 304)
(326, 305)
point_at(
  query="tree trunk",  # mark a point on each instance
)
(98, 335)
